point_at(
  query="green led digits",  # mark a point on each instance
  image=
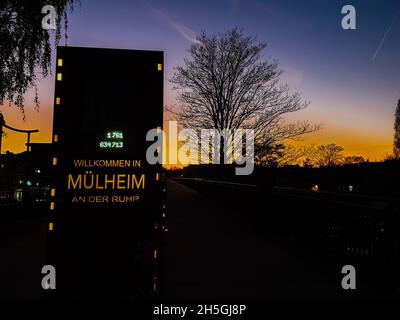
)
(113, 140)
(115, 135)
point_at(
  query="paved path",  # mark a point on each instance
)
(22, 252)
(212, 253)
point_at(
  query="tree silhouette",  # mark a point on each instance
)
(308, 163)
(281, 155)
(226, 85)
(396, 143)
(353, 160)
(25, 46)
(271, 157)
(326, 155)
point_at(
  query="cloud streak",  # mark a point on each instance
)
(182, 30)
(384, 36)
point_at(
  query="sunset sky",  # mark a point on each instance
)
(353, 87)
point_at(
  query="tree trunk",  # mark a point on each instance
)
(221, 150)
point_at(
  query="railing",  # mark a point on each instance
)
(217, 182)
(347, 226)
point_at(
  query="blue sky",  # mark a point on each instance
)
(353, 95)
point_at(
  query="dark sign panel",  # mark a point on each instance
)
(106, 200)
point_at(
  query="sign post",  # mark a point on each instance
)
(106, 201)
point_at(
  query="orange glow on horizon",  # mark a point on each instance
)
(370, 145)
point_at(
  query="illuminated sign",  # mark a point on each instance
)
(113, 140)
(108, 197)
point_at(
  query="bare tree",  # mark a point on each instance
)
(308, 163)
(226, 84)
(396, 151)
(353, 160)
(270, 157)
(326, 155)
(281, 155)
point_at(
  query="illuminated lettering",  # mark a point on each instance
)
(106, 163)
(79, 199)
(120, 180)
(85, 178)
(98, 199)
(134, 181)
(107, 181)
(98, 187)
(124, 199)
(136, 163)
(78, 182)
